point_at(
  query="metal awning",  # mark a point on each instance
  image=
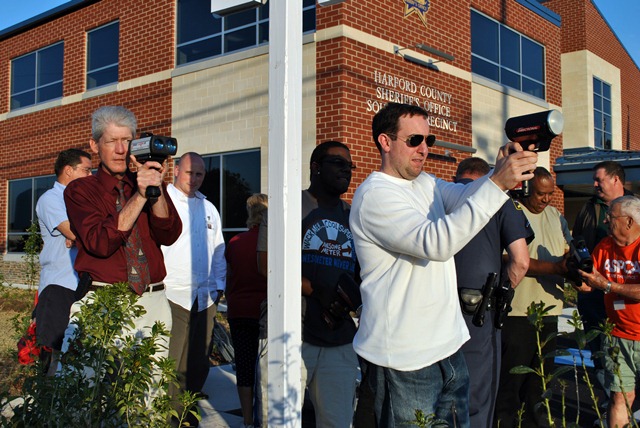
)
(574, 169)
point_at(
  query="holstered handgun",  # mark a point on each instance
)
(487, 293)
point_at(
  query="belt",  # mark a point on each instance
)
(156, 286)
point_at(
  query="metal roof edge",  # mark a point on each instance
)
(63, 9)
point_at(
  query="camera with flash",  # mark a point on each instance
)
(155, 148)
(533, 132)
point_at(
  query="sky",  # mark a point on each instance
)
(620, 14)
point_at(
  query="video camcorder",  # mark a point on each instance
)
(579, 258)
(155, 148)
(537, 129)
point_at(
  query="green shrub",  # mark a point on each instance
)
(109, 377)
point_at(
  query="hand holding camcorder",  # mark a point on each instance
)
(156, 148)
(534, 132)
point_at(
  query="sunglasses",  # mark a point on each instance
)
(339, 163)
(417, 139)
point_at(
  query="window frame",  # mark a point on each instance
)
(221, 203)
(500, 66)
(224, 32)
(103, 68)
(36, 192)
(600, 132)
(37, 87)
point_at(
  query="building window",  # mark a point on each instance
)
(201, 35)
(602, 114)
(23, 196)
(102, 55)
(231, 178)
(506, 56)
(37, 76)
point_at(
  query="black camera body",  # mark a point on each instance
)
(580, 254)
(156, 148)
(579, 258)
(538, 129)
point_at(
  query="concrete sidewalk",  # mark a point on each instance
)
(222, 408)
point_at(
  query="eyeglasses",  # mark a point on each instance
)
(84, 168)
(417, 139)
(339, 162)
(608, 216)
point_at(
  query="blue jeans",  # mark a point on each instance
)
(440, 390)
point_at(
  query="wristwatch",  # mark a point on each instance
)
(607, 288)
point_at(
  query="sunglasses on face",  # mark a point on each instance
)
(339, 163)
(417, 139)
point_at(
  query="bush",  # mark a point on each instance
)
(109, 377)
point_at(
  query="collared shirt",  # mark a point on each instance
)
(195, 262)
(91, 206)
(56, 259)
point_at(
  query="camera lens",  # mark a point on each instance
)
(158, 145)
(171, 145)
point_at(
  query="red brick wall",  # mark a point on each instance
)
(345, 71)
(584, 28)
(30, 143)
(29, 149)
(146, 41)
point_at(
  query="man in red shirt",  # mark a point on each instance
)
(103, 219)
(617, 273)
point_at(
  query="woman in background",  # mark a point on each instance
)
(246, 289)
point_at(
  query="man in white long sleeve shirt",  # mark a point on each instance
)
(196, 274)
(407, 226)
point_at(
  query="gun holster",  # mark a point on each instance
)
(470, 300)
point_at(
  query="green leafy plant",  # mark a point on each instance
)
(110, 376)
(32, 248)
(582, 339)
(535, 314)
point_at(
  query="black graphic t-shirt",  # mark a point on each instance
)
(327, 252)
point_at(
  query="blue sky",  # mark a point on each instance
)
(620, 14)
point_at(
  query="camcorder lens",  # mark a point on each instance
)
(171, 146)
(158, 145)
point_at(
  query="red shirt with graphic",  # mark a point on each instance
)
(621, 265)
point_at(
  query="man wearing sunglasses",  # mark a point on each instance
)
(407, 227)
(329, 363)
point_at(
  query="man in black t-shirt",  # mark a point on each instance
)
(329, 362)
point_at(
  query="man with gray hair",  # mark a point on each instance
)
(118, 228)
(617, 273)
(608, 184)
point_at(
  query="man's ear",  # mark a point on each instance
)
(94, 145)
(67, 170)
(315, 168)
(385, 142)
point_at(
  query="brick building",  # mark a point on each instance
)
(204, 80)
